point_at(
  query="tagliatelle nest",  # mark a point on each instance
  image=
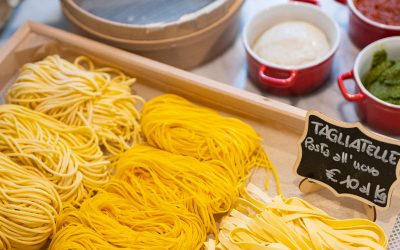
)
(79, 94)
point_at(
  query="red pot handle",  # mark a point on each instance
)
(276, 82)
(350, 97)
(341, 1)
(315, 2)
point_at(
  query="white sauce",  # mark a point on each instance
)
(293, 43)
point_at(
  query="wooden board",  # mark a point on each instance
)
(280, 125)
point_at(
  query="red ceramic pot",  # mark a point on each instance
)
(284, 80)
(363, 30)
(377, 113)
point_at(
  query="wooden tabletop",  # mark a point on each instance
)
(230, 67)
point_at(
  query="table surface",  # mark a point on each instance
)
(230, 67)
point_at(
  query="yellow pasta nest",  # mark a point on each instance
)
(176, 125)
(109, 221)
(291, 224)
(79, 94)
(69, 157)
(29, 205)
(204, 188)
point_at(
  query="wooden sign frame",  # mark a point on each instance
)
(309, 185)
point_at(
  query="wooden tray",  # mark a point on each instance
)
(279, 124)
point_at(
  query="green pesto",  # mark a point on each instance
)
(383, 79)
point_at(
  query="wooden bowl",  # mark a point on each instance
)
(185, 44)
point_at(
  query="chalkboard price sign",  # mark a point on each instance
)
(349, 159)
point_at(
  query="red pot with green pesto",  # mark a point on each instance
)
(376, 74)
(371, 20)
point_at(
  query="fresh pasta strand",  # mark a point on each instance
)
(108, 221)
(176, 125)
(79, 94)
(29, 205)
(291, 224)
(204, 188)
(69, 157)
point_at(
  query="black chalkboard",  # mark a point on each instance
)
(349, 159)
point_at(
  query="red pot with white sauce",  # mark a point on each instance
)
(364, 30)
(377, 113)
(290, 80)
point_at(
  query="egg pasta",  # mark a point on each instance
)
(174, 124)
(204, 188)
(291, 224)
(109, 221)
(29, 205)
(69, 157)
(79, 94)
